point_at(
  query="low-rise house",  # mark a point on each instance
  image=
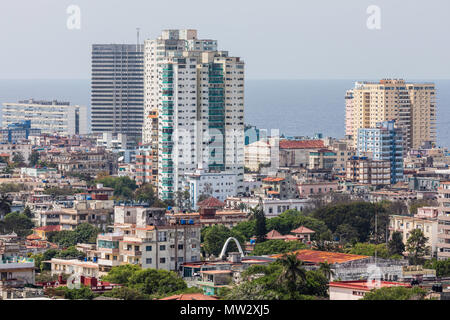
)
(74, 266)
(307, 189)
(211, 213)
(271, 207)
(16, 270)
(355, 290)
(348, 267)
(406, 224)
(189, 296)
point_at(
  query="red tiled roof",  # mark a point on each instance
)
(189, 296)
(302, 229)
(211, 203)
(315, 256)
(273, 234)
(33, 237)
(301, 144)
(49, 228)
(272, 179)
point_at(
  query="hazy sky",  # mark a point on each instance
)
(278, 39)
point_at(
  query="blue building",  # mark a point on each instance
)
(385, 142)
(16, 132)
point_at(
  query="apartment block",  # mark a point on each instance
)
(51, 117)
(147, 237)
(18, 132)
(444, 221)
(198, 94)
(220, 185)
(411, 105)
(117, 90)
(363, 170)
(383, 142)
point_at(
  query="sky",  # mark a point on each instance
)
(283, 39)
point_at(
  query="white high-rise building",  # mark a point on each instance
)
(51, 117)
(197, 93)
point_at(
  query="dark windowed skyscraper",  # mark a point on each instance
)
(117, 90)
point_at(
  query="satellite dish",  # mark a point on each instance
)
(121, 158)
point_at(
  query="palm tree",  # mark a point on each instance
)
(325, 268)
(292, 273)
(5, 205)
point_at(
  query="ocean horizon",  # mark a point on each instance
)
(294, 107)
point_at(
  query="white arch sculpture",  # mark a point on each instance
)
(222, 253)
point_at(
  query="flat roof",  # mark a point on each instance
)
(366, 285)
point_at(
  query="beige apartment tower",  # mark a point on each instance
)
(411, 105)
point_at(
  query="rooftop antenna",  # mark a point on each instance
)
(138, 40)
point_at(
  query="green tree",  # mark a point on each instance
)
(83, 293)
(121, 274)
(396, 293)
(156, 282)
(416, 246)
(358, 218)
(18, 223)
(18, 159)
(124, 187)
(33, 159)
(326, 269)
(346, 233)
(214, 238)
(126, 293)
(28, 213)
(396, 245)
(269, 247)
(5, 205)
(442, 267)
(292, 273)
(370, 249)
(145, 193)
(257, 214)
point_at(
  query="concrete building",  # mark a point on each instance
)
(219, 185)
(271, 207)
(412, 105)
(16, 270)
(443, 251)
(313, 188)
(117, 143)
(322, 159)
(9, 150)
(51, 117)
(295, 153)
(257, 154)
(355, 290)
(198, 94)
(18, 132)
(117, 90)
(406, 224)
(146, 237)
(363, 170)
(383, 142)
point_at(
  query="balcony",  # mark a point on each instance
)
(132, 253)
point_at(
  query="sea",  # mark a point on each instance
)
(294, 107)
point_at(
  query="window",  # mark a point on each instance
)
(180, 247)
(148, 261)
(148, 248)
(162, 247)
(162, 260)
(162, 236)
